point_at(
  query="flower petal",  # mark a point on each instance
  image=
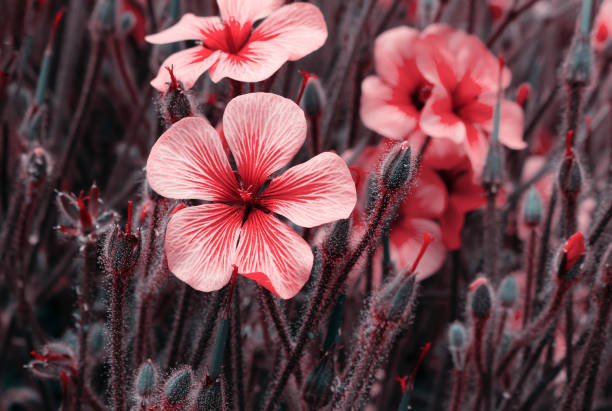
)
(255, 62)
(247, 11)
(189, 27)
(272, 254)
(383, 111)
(439, 120)
(428, 196)
(201, 244)
(395, 56)
(188, 162)
(511, 126)
(296, 29)
(406, 241)
(316, 192)
(263, 131)
(187, 65)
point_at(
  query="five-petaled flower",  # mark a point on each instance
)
(229, 47)
(236, 223)
(441, 82)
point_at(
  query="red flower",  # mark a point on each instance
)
(237, 225)
(441, 82)
(231, 48)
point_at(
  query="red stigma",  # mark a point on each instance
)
(84, 215)
(56, 22)
(307, 76)
(144, 212)
(173, 82)
(402, 381)
(128, 223)
(569, 140)
(502, 62)
(427, 239)
(38, 356)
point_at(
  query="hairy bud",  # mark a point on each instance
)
(532, 209)
(146, 381)
(508, 292)
(457, 344)
(178, 387)
(397, 168)
(317, 390)
(481, 300)
(313, 101)
(571, 257)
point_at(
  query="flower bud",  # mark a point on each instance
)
(532, 208)
(121, 251)
(103, 18)
(508, 292)
(481, 298)
(314, 98)
(146, 381)
(394, 301)
(209, 397)
(397, 168)
(579, 61)
(178, 387)
(570, 177)
(571, 257)
(317, 390)
(492, 174)
(457, 344)
(336, 242)
(175, 102)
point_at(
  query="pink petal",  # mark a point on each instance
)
(295, 30)
(188, 162)
(247, 11)
(442, 153)
(255, 62)
(476, 147)
(511, 126)
(316, 192)
(201, 244)
(263, 131)
(188, 65)
(439, 120)
(451, 224)
(189, 27)
(272, 254)
(406, 241)
(437, 66)
(395, 55)
(383, 111)
(427, 197)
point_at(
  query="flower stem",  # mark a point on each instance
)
(179, 324)
(118, 379)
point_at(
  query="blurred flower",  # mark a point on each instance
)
(230, 48)
(237, 225)
(54, 359)
(602, 27)
(441, 82)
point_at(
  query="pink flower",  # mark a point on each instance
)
(236, 224)
(231, 48)
(602, 27)
(441, 82)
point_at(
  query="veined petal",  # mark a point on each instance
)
(438, 119)
(384, 112)
(272, 254)
(187, 65)
(189, 27)
(188, 162)
(255, 62)
(201, 244)
(247, 11)
(263, 131)
(296, 29)
(395, 55)
(316, 192)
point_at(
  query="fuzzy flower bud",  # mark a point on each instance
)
(395, 300)
(532, 208)
(313, 100)
(457, 343)
(146, 381)
(570, 177)
(209, 397)
(508, 292)
(397, 168)
(175, 103)
(571, 257)
(317, 390)
(121, 251)
(492, 174)
(481, 300)
(177, 388)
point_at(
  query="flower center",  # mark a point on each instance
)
(420, 95)
(230, 39)
(247, 195)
